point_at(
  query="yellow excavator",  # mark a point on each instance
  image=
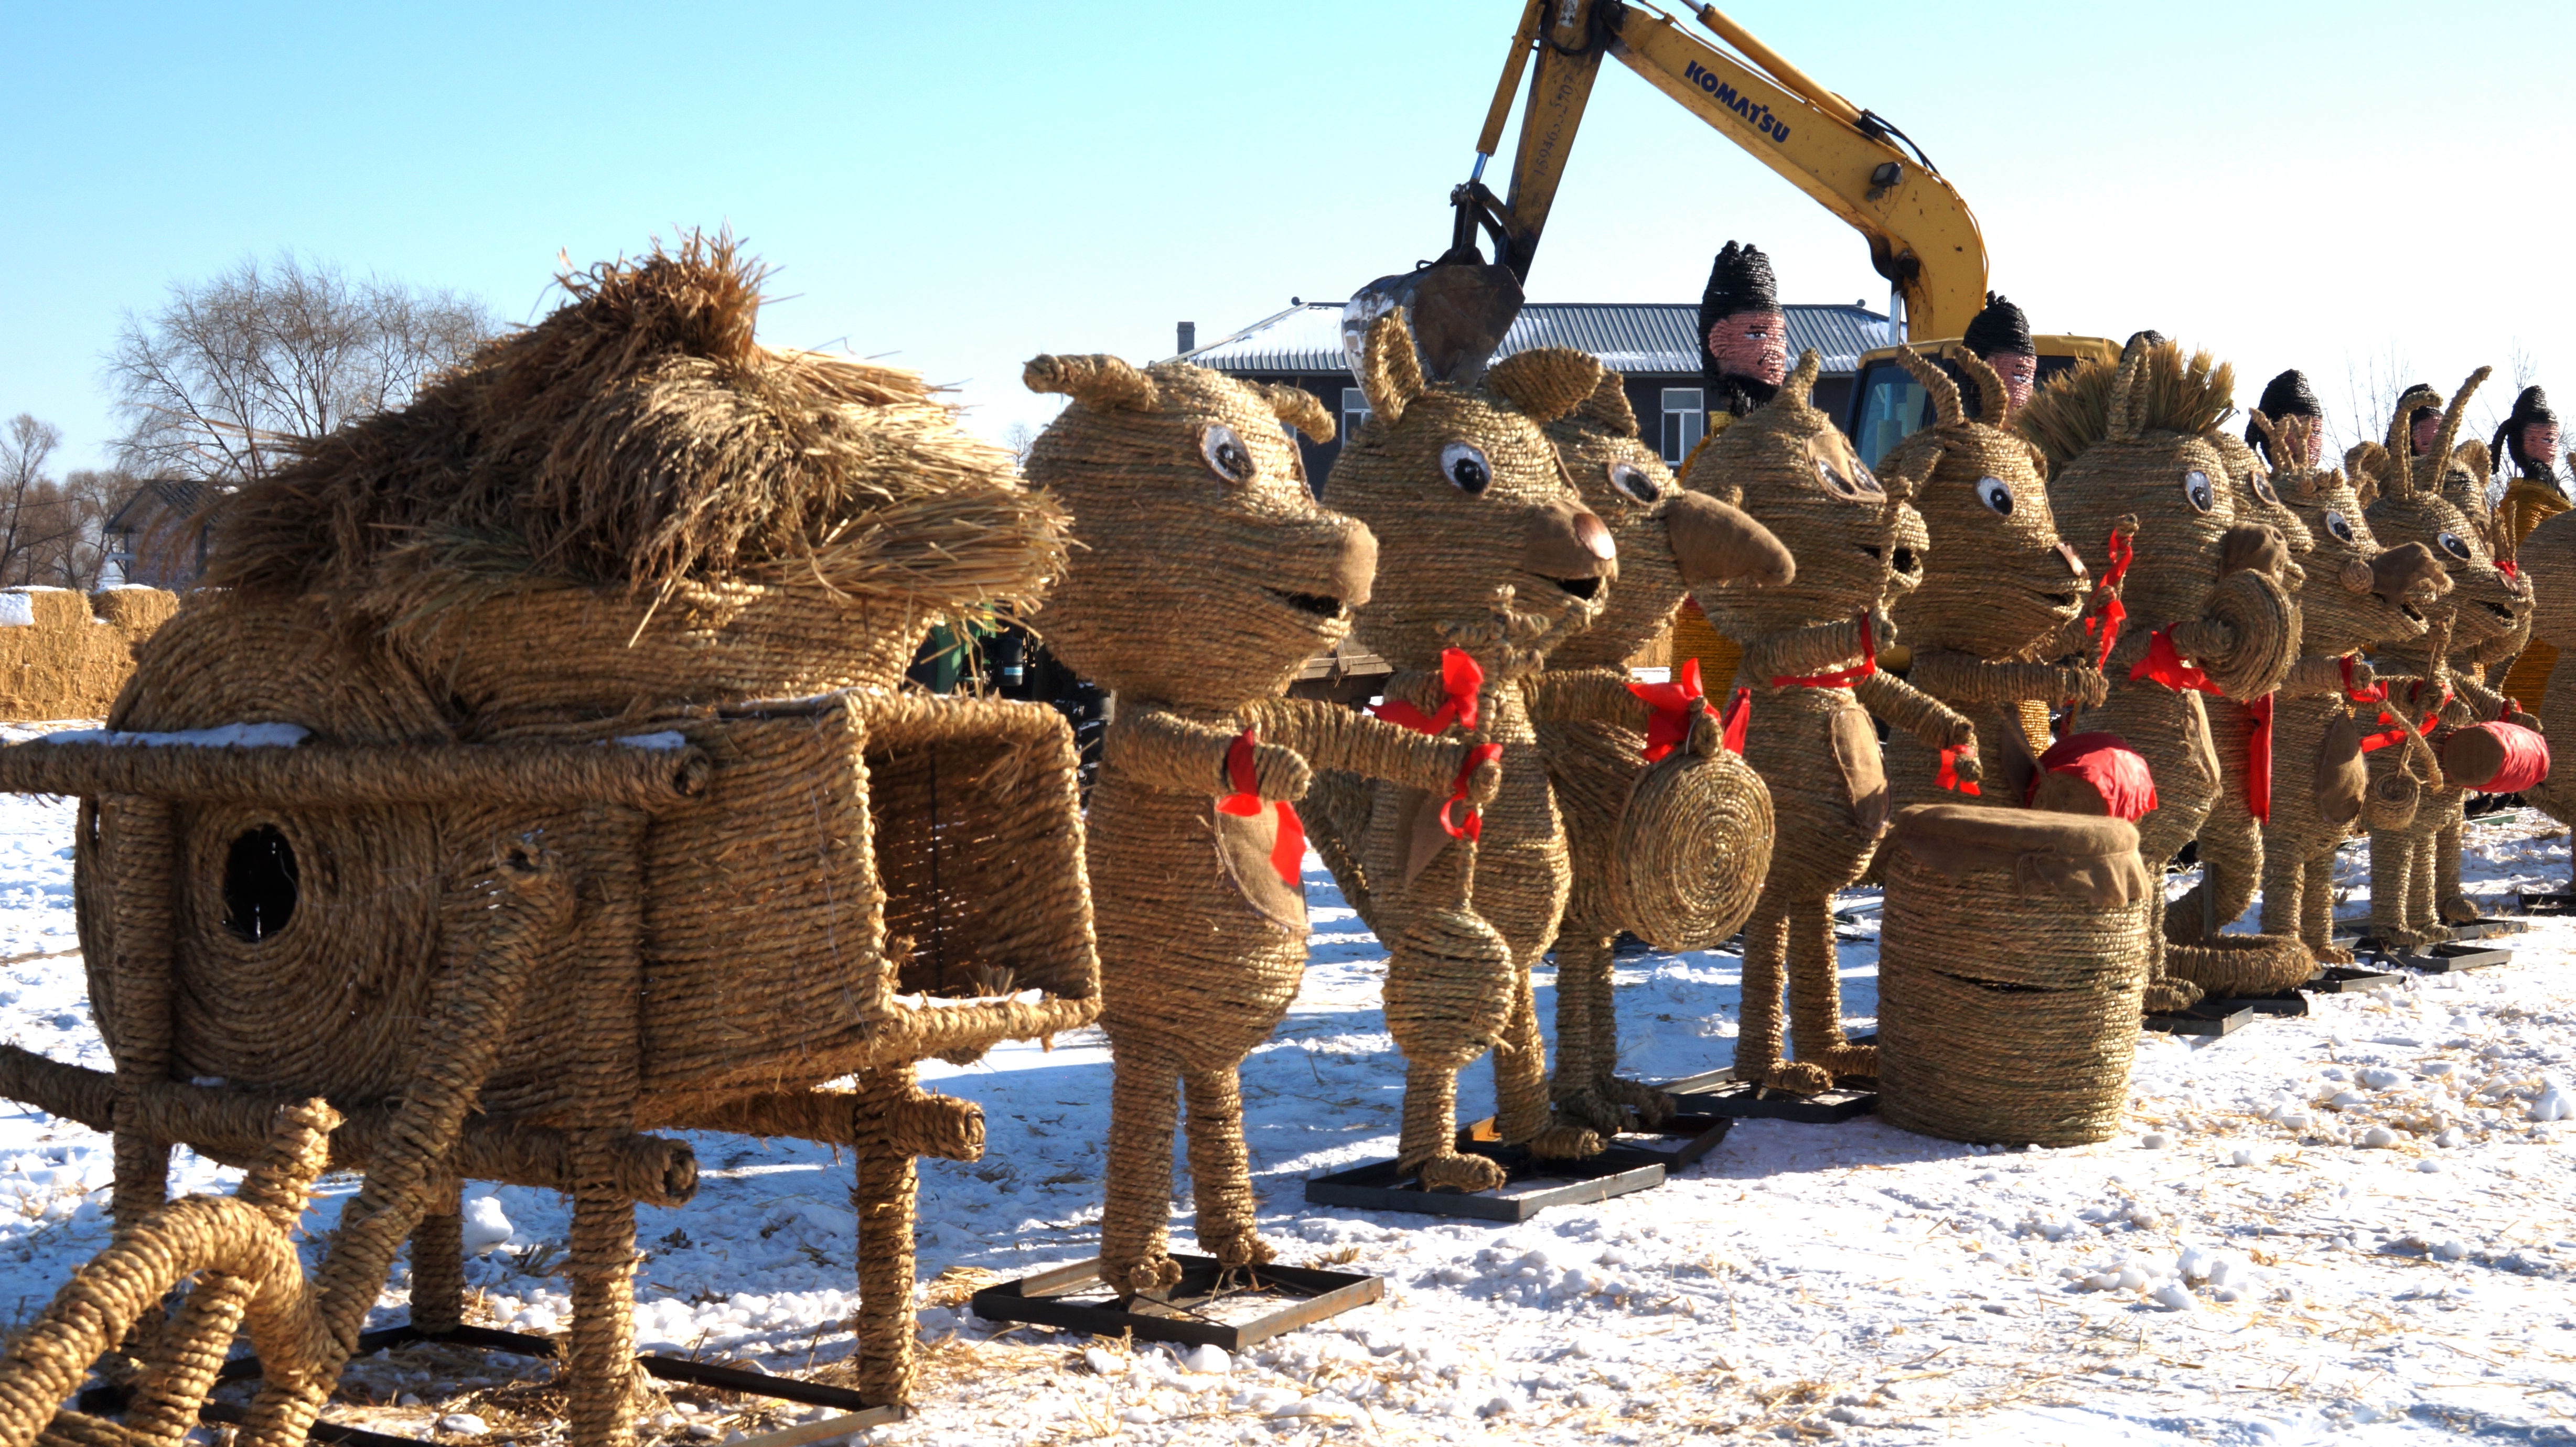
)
(1922, 237)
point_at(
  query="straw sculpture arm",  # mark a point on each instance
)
(2322, 676)
(1328, 736)
(1586, 695)
(2486, 704)
(1818, 648)
(1183, 756)
(1906, 707)
(1966, 678)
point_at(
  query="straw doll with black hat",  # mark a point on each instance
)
(1677, 857)
(2414, 869)
(1203, 574)
(1997, 621)
(1487, 562)
(1809, 684)
(2140, 486)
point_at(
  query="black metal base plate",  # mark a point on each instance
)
(113, 1399)
(1532, 1185)
(2556, 901)
(2345, 979)
(2450, 956)
(2289, 1002)
(1055, 1298)
(2490, 926)
(2209, 1017)
(1716, 1095)
(1678, 1143)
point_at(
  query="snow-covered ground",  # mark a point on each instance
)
(2355, 1226)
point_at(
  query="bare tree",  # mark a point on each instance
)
(1019, 439)
(219, 382)
(72, 517)
(31, 518)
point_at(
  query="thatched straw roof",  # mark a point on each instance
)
(638, 438)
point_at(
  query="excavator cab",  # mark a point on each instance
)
(1887, 405)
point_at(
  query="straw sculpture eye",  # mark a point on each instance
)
(1225, 454)
(1993, 492)
(1631, 480)
(1464, 465)
(2263, 490)
(2452, 545)
(1863, 478)
(2195, 489)
(2339, 525)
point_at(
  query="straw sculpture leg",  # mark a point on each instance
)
(438, 1265)
(1144, 1108)
(248, 1274)
(1760, 1033)
(1221, 1169)
(1450, 983)
(2452, 902)
(895, 1123)
(607, 958)
(141, 836)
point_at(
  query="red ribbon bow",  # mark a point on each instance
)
(1868, 665)
(1288, 851)
(2376, 693)
(1738, 717)
(1949, 778)
(2164, 664)
(1672, 705)
(2509, 568)
(1461, 678)
(2397, 731)
(2258, 760)
(2114, 612)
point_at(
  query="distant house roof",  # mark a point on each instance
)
(1637, 337)
(176, 498)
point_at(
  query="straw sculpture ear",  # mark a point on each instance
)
(1100, 382)
(2451, 415)
(2473, 454)
(1911, 477)
(1800, 387)
(1608, 405)
(1390, 373)
(2127, 391)
(2400, 424)
(1990, 388)
(1298, 408)
(1947, 409)
(1546, 382)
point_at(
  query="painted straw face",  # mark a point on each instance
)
(1178, 462)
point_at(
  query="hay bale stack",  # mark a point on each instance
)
(59, 661)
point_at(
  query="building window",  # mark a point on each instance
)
(1355, 410)
(1685, 422)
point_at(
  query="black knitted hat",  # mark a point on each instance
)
(2287, 395)
(2432, 409)
(2532, 406)
(2000, 328)
(1739, 281)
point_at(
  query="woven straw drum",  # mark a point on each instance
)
(2012, 962)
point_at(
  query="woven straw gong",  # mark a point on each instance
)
(2012, 962)
(1692, 847)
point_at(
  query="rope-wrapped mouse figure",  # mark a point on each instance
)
(1597, 737)
(1205, 574)
(1810, 684)
(2135, 469)
(2482, 738)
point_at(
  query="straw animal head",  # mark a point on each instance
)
(1482, 542)
(2413, 506)
(2258, 494)
(2004, 580)
(2456, 467)
(1789, 467)
(1204, 571)
(2140, 438)
(1671, 542)
(2358, 594)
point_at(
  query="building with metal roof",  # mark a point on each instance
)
(1653, 345)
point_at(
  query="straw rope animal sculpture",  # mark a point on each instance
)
(2547, 556)
(2414, 868)
(1487, 561)
(1811, 685)
(2357, 596)
(495, 664)
(1714, 846)
(1997, 620)
(2132, 454)
(1204, 574)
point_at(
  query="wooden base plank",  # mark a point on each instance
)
(1532, 1186)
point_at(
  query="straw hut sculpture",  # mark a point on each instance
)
(2415, 868)
(1811, 680)
(1204, 574)
(1669, 833)
(582, 668)
(1487, 562)
(2357, 597)
(1996, 623)
(2134, 464)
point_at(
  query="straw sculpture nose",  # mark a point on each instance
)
(2398, 574)
(1564, 541)
(1352, 566)
(2074, 563)
(2253, 547)
(1715, 544)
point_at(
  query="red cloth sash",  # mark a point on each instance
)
(1461, 678)
(1671, 702)
(1288, 851)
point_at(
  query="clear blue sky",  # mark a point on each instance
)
(960, 186)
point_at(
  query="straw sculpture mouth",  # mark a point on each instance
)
(2498, 609)
(1319, 604)
(1586, 589)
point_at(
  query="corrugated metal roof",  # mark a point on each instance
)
(1642, 338)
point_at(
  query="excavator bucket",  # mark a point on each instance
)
(1459, 308)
